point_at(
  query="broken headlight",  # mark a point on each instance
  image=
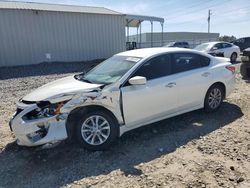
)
(48, 110)
(45, 109)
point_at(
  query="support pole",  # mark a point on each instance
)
(162, 34)
(151, 33)
(137, 28)
(140, 33)
(127, 33)
(208, 21)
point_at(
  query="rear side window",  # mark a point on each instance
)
(187, 61)
(157, 67)
(204, 61)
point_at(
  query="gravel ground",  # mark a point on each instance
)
(191, 150)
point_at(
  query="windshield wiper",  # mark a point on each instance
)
(86, 80)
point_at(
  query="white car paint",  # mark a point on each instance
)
(66, 86)
(227, 49)
(132, 106)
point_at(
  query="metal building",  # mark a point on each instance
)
(155, 39)
(32, 33)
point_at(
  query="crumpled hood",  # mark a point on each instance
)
(67, 85)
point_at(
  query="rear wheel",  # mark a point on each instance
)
(233, 57)
(97, 130)
(214, 98)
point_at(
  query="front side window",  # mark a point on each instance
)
(226, 45)
(218, 46)
(188, 61)
(110, 70)
(157, 67)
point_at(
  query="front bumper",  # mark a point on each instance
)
(37, 131)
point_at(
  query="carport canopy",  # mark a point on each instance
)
(136, 20)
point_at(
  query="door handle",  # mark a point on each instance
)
(205, 74)
(171, 84)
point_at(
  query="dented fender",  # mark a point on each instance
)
(100, 97)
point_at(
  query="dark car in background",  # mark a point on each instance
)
(178, 44)
(243, 43)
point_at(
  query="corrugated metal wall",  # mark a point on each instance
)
(26, 36)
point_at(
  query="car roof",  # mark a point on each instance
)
(148, 52)
(216, 42)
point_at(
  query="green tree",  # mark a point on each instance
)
(227, 38)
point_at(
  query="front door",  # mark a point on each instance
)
(145, 103)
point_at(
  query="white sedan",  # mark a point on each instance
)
(128, 90)
(223, 49)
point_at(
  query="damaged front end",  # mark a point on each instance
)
(38, 123)
(44, 122)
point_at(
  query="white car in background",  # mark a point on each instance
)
(126, 91)
(222, 49)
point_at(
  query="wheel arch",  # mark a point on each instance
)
(218, 84)
(234, 52)
(75, 114)
(222, 85)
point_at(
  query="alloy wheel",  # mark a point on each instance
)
(233, 57)
(214, 98)
(95, 130)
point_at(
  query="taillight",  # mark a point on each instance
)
(231, 68)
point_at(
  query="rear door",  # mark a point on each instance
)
(192, 76)
(144, 103)
(227, 49)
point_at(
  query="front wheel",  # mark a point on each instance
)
(214, 98)
(97, 130)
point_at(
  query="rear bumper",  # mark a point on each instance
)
(37, 131)
(230, 85)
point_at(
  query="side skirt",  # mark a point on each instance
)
(125, 128)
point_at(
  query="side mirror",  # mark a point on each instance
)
(138, 80)
(214, 48)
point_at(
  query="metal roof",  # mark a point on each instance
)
(147, 52)
(55, 7)
(134, 20)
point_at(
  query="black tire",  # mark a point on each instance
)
(113, 131)
(245, 70)
(209, 97)
(233, 57)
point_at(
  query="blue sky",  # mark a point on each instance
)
(229, 17)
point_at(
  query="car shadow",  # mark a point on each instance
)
(46, 68)
(66, 163)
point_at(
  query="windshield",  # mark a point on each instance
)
(202, 47)
(110, 70)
